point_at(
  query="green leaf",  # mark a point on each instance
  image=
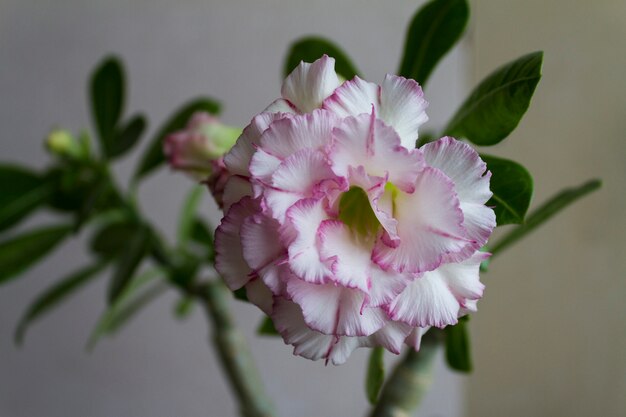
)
(184, 307)
(310, 48)
(110, 239)
(201, 233)
(458, 353)
(544, 213)
(512, 188)
(54, 295)
(434, 30)
(266, 328)
(21, 192)
(19, 253)
(133, 253)
(241, 294)
(107, 99)
(375, 374)
(154, 154)
(496, 106)
(133, 298)
(188, 218)
(127, 136)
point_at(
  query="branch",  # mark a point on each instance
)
(236, 358)
(408, 383)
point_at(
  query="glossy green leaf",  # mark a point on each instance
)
(134, 250)
(310, 48)
(458, 354)
(21, 192)
(154, 154)
(187, 219)
(433, 31)
(543, 213)
(21, 252)
(127, 136)
(142, 290)
(54, 296)
(375, 374)
(496, 106)
(107, 99)
(266, 328)
(512, 188)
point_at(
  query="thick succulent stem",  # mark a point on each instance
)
(235, 356)
(408, 383)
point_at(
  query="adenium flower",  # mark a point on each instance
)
(342, 231)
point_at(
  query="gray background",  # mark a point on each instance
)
(549, 339)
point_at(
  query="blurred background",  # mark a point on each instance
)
(550, 335)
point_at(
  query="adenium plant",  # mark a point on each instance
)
(342, 222)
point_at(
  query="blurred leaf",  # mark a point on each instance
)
(310, 48)
(266, 328)
(241, 294)
(201, 234)
(154, 154)
(21, 192)
(544, 213)
(101, 197)
(375, 374)
(72, 184)
(21, 252)
(127, 136)
(133, 253)
(434, 30)
(512, 188)
(496, 106)
(107, 99)
(133, 298)
(458, 353)
(54, 295)
(188, 218)
(184, 307)
(110, 239)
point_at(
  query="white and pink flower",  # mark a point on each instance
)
(342, 231)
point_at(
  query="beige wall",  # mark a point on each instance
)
(550, 337)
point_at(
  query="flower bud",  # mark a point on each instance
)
(60, 142)
(196, 149)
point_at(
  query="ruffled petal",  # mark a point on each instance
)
(429, 226)
(281, 106)
(236, 188)
(386, 286)
(303, 220)
(287, 136)
(229, 260)
(309, 84)
(403, 107)
(331, 309)
(414, 339)
(366, 141)
(289, 322)
(260, 240)
(392, 336)
(354, 97)
(260, 295)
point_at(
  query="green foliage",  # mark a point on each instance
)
(187, 219)
(433, 31)
(142, 290)
(54, 295)
(512, 188)
(497, 104)
(107, 100)
(153, 156)
(375, 374)
(266, 328)
(133, 252)
(458, 353)
(310, 48)
(543, 213)
(109, 241)
(184, 307)
(19, 253)
(21, 192)
(127, 136)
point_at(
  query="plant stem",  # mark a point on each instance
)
(408, 382)
(236, 358)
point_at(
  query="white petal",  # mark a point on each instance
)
(392, 336)
(429, 226)
(260, 241)
(236, 188)
(414, 339)
(262, 167)
(386, 286)
(281, 106)
(354, 97)
(260, 295)
(229, 260)
(304, 219)
(309, 84)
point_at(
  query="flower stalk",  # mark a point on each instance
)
(235, 356)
